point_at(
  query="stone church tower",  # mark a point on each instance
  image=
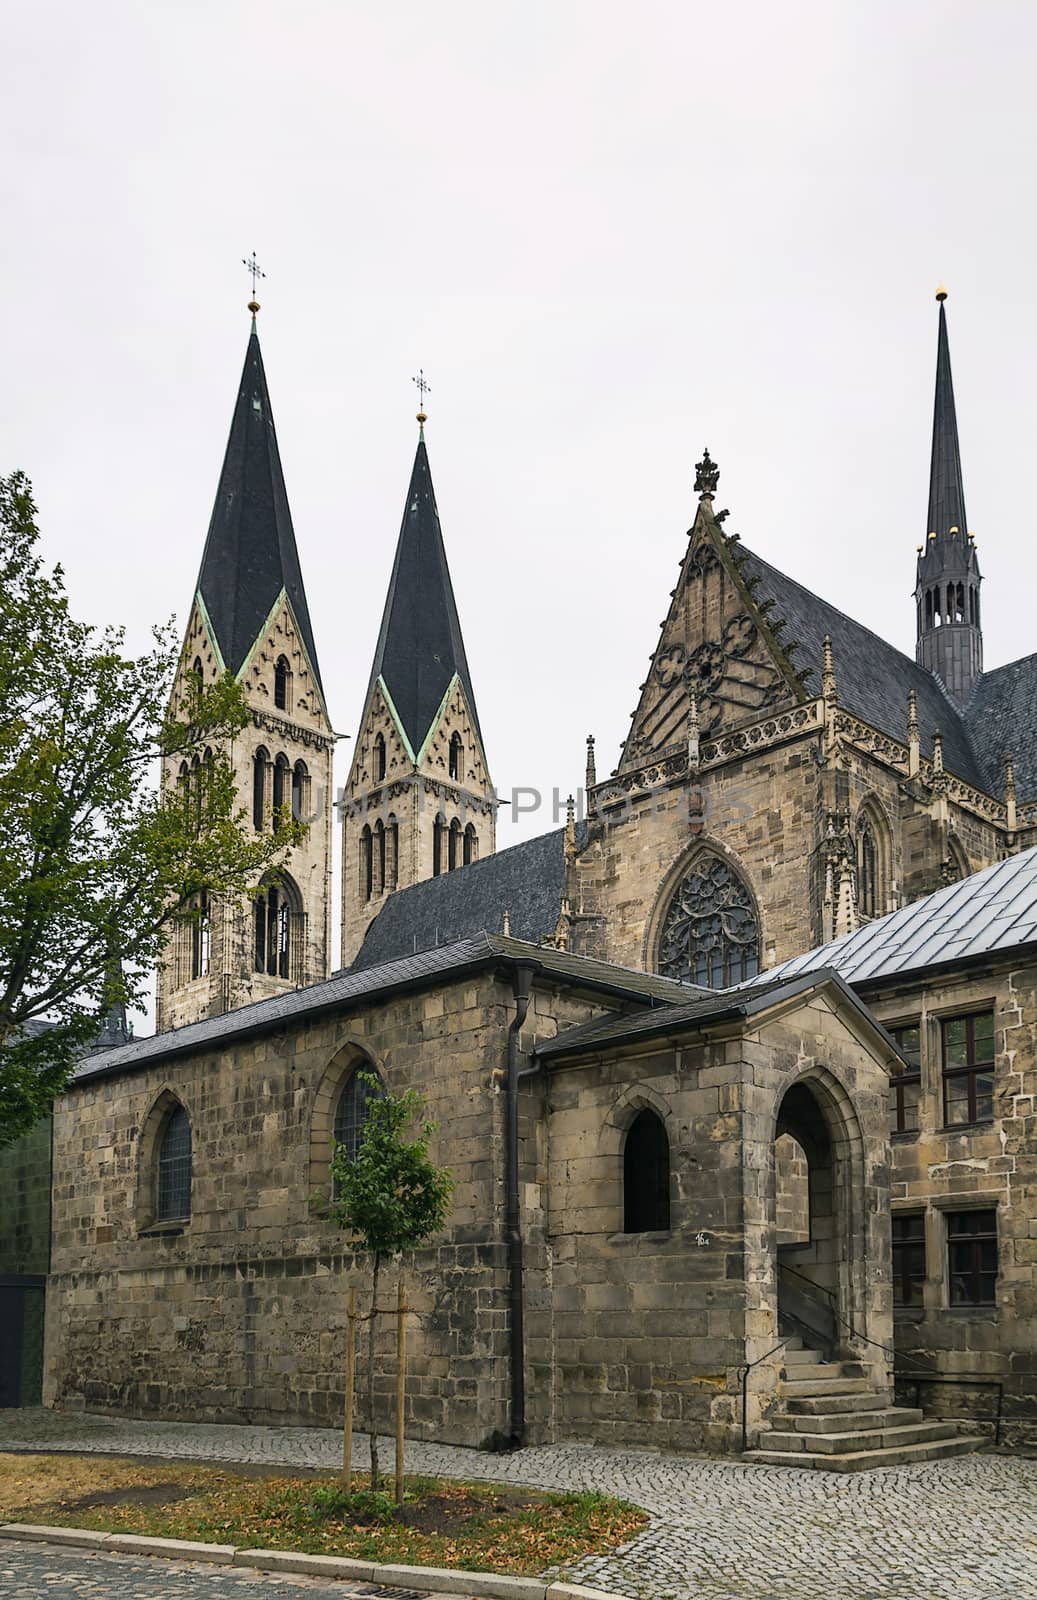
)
(250, 617)
(419, 801)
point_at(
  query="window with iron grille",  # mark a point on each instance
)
(353, 1106)
(646, 1176)
(908, 1259)
(968, 1069)
(174, 1168)
(905, 1082)
(972, 1257)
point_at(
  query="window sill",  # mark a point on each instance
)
(906, 1136)
(164, 1229)
(908, 1314)
(659, 1236)
(968, 1127)
(988, 1310)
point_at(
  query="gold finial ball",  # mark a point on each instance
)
(253, 306)
(422, 418)
(919, 548)
(941, 292)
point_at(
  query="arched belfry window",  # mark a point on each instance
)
(455, 848)
(456, 759)
(260, 762)
(366, 863)
(438, 831)
(392, 853)
(471, 844)
(646, 1175)
(282, 684)
(710, 932)
(378, 761)
(353, 1106)
(300, 781)
(278, 931)
(282, 789)
(173, 1185)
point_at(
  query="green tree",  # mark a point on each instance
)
(390, 1196)
(95, 862)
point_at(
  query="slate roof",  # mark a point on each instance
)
(250, 551)
(708, 1008)
(873, 677)
(994, 910)
(419, 644)
(526, 880)
(347, 989)
(1002, 715)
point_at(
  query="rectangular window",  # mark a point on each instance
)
(908, 1259)
(972, 1257)
(905, 1089)
(968, 1069)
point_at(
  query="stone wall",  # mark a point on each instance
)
(25, 1172)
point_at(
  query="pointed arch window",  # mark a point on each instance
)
(471, 844)
(173, 1186)
(282, 684)
(710, 932)
(867, 870)
(353, 1107)
(646, 1175)
(378, 761)
(455, 847)
(366, 862)
(456, 757)
(260, 762)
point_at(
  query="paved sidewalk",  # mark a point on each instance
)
(963, 1529)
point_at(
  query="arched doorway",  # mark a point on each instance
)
(819, 1214)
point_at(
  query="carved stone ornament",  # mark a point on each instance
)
(710, 933)
(707, 474)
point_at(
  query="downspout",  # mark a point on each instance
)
(522, 981)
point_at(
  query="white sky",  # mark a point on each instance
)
(610, 234)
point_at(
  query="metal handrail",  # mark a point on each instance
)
(968, 1380)
(744, 1372)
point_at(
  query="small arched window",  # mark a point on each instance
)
(300, 777)
(456, 757)
(646, 1176)
(282, 790)
(277, 931)
(438, 830)
(173, 1198)
(378, 851)
(378, 760)
(392, 853)
(929, 608)
(198, 674)
(201, 938)
(282, 684)
(454, 856)
(353, 1107)
(471, 844)
(366, 863)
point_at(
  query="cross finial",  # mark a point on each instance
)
(255, 272)
(423, 389)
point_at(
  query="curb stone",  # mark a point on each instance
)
(445, 1580)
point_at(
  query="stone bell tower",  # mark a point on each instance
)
(419, 800)
(250, 617)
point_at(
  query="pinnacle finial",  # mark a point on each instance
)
(423, 389)
(255, 272)
(937, 753)
(707, 474)
(828, 685)
(592, 771)
(941, 292)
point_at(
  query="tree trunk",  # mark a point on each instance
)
(372, 1431)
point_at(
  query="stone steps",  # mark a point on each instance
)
(816, 1388)
(876, 1417)
(821, 1405)
(865, 1460)
(856, 1440)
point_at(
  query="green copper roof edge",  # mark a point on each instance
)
(381, 684)
(434, 724)
(203, 608)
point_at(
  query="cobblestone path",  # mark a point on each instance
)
(963, 1529)
(30, 1572)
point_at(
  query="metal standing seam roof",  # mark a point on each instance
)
(991, 911)
(411, 972)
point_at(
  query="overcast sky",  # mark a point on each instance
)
(610, 235)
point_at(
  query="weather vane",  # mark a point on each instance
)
(423, 389)
(255, 271)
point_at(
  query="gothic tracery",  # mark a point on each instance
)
(710, 933)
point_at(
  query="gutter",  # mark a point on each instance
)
(522, 980)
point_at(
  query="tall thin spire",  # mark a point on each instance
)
(250, 551)
(946, 490)
(420, 647)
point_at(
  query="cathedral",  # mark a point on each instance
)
(735, 1072)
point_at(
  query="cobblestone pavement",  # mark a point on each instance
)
(29, 1572)
(963, 1529)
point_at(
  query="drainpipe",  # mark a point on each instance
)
(522, 980)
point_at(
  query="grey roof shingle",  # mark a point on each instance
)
(1002, 717)
(347, 989)
(526, 880)
(873, 677)
(991, 911)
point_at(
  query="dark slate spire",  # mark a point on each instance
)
(250, 552)
(946, 492)
(420, 646)
(949, 636)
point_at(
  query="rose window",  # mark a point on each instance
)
(710, 933)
